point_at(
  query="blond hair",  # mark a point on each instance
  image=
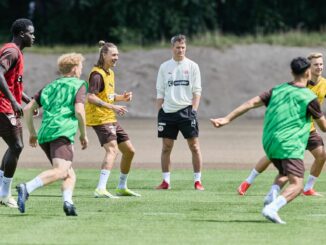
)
(68, 61)
(315, 56)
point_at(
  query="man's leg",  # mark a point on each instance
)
(128, 152)
(260, 167)
(275, 189)
(68, 186)
(60, 170)
(197, 161)
(291, 192)
(111, 151)
(316, 168)
(9, 165)
(167, 146)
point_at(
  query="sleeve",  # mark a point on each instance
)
(196, 88)
(266, 96)
(9, 58)
(37, 97)
(160, 84)
(81, 95)
(314, 109)
(96, 83)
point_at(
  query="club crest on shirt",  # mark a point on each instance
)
(186, 72)
(20, 79)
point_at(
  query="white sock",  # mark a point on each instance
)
(104, 176)
(252, 176)
(34, 184)
(123, 181)
(67, 196)
(166, 177)
(1, 177)
(310, 183)
(275, 188)
(278, 203)
(6, 186)
(197, 176)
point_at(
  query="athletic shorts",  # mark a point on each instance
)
(184, 120)
(58, 148)
(314, 141)
(289, 166)
(110, 131)
(10, 125)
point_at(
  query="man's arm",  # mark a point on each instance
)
(195, 101)
(80, 115)
(5, 90)
(94, 99)
(29, 112)
(26, 98)
(250, 104)
(321, 122)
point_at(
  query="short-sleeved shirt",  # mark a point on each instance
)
(313, 108)
(96, 83)
(9, 58)
(80, 96)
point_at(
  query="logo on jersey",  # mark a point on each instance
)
(178, 83)
(20, 78)
(186, 72)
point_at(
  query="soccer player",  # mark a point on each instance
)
(178, 89)
(101, 115)
(287, 122)
(63, 114)
(315, 141)
(11, 97)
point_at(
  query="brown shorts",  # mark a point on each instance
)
(314, 141)
(10, 125)
(289, 166)
(110, 131)
(59, 148)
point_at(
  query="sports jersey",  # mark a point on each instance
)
(286, 123)
(58, 102)
(97, 115)
(13, 76)
(318, 89)
(177, 81)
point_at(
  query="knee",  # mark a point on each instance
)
(61, 174)
(194, 148)
(17, 148)
(167, 148)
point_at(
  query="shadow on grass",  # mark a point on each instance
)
(232, 221)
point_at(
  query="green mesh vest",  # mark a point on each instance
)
(286, 124)
(58, 102)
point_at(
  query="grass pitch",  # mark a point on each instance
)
(177, 216)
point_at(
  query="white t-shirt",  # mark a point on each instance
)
(177, 81)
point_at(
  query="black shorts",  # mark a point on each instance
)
(10, 126)
(185, 120)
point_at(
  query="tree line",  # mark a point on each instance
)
(143, 22)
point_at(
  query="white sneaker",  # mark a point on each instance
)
(272, 215)
(8, 201)
(270, 197)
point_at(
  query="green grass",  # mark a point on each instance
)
(178, 216)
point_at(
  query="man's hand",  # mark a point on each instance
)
(17, 109)
(219, 122)
(127, 96)
(121, 110)
(33, 140)
(83, 142)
